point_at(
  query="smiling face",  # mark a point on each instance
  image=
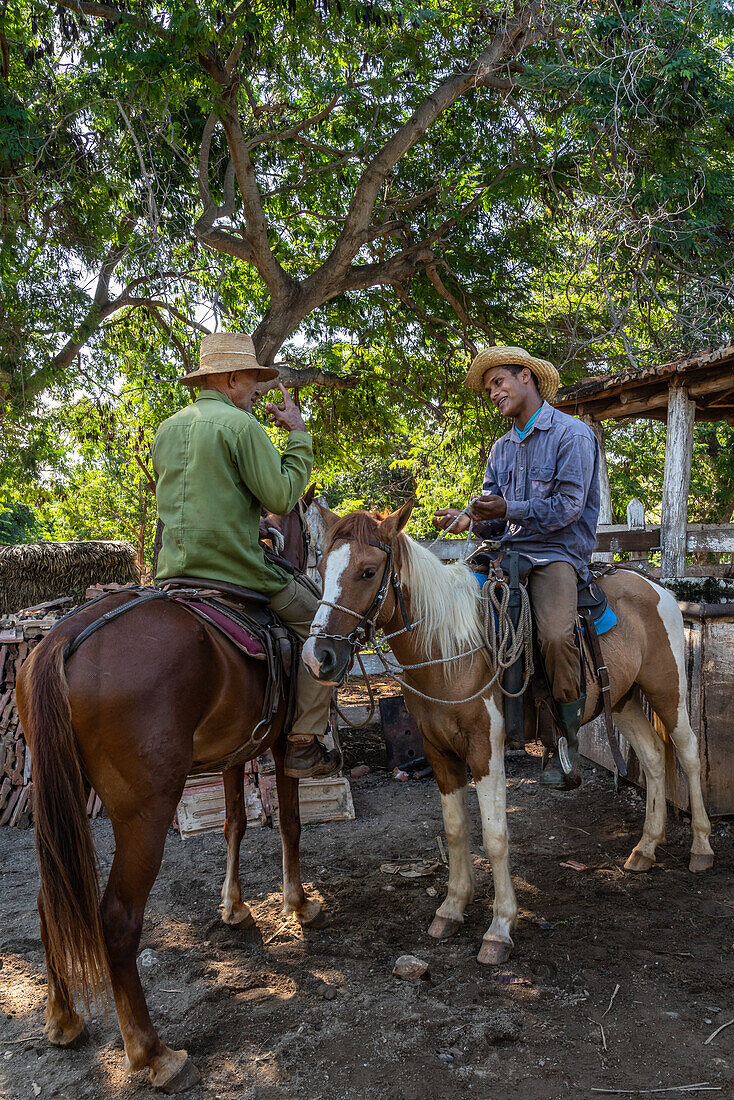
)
(512, 393)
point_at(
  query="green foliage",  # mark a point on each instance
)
(579, 202)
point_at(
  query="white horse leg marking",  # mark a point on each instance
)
(461, 874)
(684, 739)
(492, 792)
(336, 563)
(634, 725)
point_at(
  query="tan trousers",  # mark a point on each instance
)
(296, 605)
(553, 595)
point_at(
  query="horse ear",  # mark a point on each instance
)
(393, 524)
(307, 498)
(327, 515)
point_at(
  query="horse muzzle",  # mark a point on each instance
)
(327, 659)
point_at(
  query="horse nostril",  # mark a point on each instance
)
(328, 660)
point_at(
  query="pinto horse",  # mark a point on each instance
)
(376, 577)
(150, 697)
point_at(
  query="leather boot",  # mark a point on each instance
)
(553, 775)
(311, 760)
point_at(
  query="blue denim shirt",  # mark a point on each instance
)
(550, 482)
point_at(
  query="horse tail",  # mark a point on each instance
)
(671, 776)
(75, 948)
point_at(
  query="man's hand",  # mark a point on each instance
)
(487, 508)
(444, 517)
(287, 415)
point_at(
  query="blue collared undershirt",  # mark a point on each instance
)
(522, 433)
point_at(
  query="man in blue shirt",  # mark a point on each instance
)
(540, 496)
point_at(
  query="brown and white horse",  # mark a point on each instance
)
(643, 652)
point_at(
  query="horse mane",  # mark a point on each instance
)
(445, 598)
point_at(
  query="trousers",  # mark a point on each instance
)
(553, 592)
(296, 605)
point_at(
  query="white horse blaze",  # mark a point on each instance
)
(492, 795)
(336, 563)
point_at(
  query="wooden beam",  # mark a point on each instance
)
(618, 538)
(676, 482)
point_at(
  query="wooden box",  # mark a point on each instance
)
(320, 801)
(709, 658)
(201, 809)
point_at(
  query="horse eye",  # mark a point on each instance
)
(368, 574)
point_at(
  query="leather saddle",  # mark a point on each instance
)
(244, 617)
(591, 599)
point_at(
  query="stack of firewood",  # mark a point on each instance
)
(16, 789)
(19, 633)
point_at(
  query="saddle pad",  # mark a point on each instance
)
(229, 627)
(606, 620)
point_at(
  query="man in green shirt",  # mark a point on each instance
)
(216, 468)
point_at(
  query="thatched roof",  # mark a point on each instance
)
(37, 571)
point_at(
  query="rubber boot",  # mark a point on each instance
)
(553, 775)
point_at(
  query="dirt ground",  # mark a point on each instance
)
(615, 982)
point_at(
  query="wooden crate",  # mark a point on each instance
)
(201, 809)
(709, 630)
(320, 801)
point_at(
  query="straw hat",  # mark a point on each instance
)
(223, 352)
(545, 373)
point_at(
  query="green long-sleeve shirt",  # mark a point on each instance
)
(215, 466)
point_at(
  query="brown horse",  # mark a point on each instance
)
(459, 710)
(144, 701)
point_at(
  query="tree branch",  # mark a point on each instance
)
(295, 377)
(511, 39)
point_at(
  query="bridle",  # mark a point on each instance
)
(364, 631)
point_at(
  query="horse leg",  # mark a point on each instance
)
(686, 747)
(307, 911)
(492, 794)
(234, 910)
(138, 853)
(451, 778)
(634, 725)
(64, 1026)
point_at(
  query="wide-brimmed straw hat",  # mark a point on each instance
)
(223, 352)
(545, 373)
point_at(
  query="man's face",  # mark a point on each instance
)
(244, 389)
(507, 391)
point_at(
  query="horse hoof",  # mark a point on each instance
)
(702, 862)
(312, 916)
(238, 917)
(639, 863)
(494, 951)
(70, 1037)
(176, 1075)
(443, 927)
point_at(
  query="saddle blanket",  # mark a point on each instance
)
(605, 621)
(229, 626)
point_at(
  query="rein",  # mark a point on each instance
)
(500, 638)
(366, 626)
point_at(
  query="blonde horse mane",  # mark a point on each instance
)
(444, 598)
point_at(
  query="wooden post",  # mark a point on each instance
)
(605, 496)
(676, 482)
(636, 519)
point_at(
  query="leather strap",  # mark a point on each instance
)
(602, 675)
